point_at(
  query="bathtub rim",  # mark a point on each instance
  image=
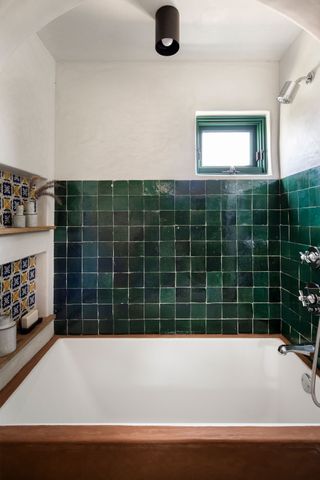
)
(150, 434)
(14, 383)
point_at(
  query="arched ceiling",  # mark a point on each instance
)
(305, 13)
(19, 19)
(211, 30)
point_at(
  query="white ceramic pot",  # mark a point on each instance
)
(19, 210)
(31, 207)
(19, 221)
(8, 338)
(32, 220)
(5, 320)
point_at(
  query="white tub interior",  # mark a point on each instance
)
(166, 381)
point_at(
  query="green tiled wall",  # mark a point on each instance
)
(300, 228)
(168, 257)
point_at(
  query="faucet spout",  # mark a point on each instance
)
(304, 349)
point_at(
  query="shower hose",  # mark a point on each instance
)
(314, 368)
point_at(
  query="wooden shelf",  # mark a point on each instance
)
(23, 340)
(17, 231)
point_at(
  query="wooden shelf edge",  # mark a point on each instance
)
(23, 340)
(18, 231)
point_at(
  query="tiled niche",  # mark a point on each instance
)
(18, 287)
(167, 257)
(14, 190)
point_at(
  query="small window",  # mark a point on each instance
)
(228, 144)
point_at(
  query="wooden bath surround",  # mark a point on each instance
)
(155, 453)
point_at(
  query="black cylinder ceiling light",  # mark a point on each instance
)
(167, 30)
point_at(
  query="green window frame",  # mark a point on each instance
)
(255, 125)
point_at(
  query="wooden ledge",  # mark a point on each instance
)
(17, 231)
(23, 340)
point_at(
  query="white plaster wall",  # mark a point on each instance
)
(300, 121)
(125, 120)
(27, 109)
(27, 96)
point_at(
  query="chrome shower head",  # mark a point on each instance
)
(291, 87)
(288, 92)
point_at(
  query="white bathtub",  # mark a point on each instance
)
(163, 381)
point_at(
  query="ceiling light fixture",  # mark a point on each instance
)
(167, 30)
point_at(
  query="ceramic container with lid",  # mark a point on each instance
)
(8, 335)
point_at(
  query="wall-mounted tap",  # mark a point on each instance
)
(311, 299)
(303, 349)
(311, 257)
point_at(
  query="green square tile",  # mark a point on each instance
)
(105, 187)
(135, 187)
(214, 279)
(136, 327)
(259, 202)
(198, 326)
(167, 295)
(151, 202)
(245, 326)
(199, 217)
(229, 310)
(229, 264)
(151, 187)
(182, 218)
(214, 295)
(244, 202)
(105, 203)
(74, 203)
(152, 327)
(229, 202)
(213, 218)
(260, 294)
(120, 203)
(166, 187)
(120, 295)
(90, 187)
(136, 295)
(167, 264)
(214, 327)
(198, 311)
(183, 279)
(135, 203)
(245, 310)
(245, 294)
(244, 217)
(167, 311)
(183, 310)
(74, 188)
(261, 310)
(183, 326)
(182, 202)
(260, 327)
(121, 187)
(213, 202)
(105, 280)
(74, 219)
(166, 203)
(167, 233)
(167, 326)
(229, 327)
(90, 202)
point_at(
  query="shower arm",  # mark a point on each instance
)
(307, 78)
(314, 368)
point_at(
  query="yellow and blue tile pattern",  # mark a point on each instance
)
(18, 287)
(14, 190)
